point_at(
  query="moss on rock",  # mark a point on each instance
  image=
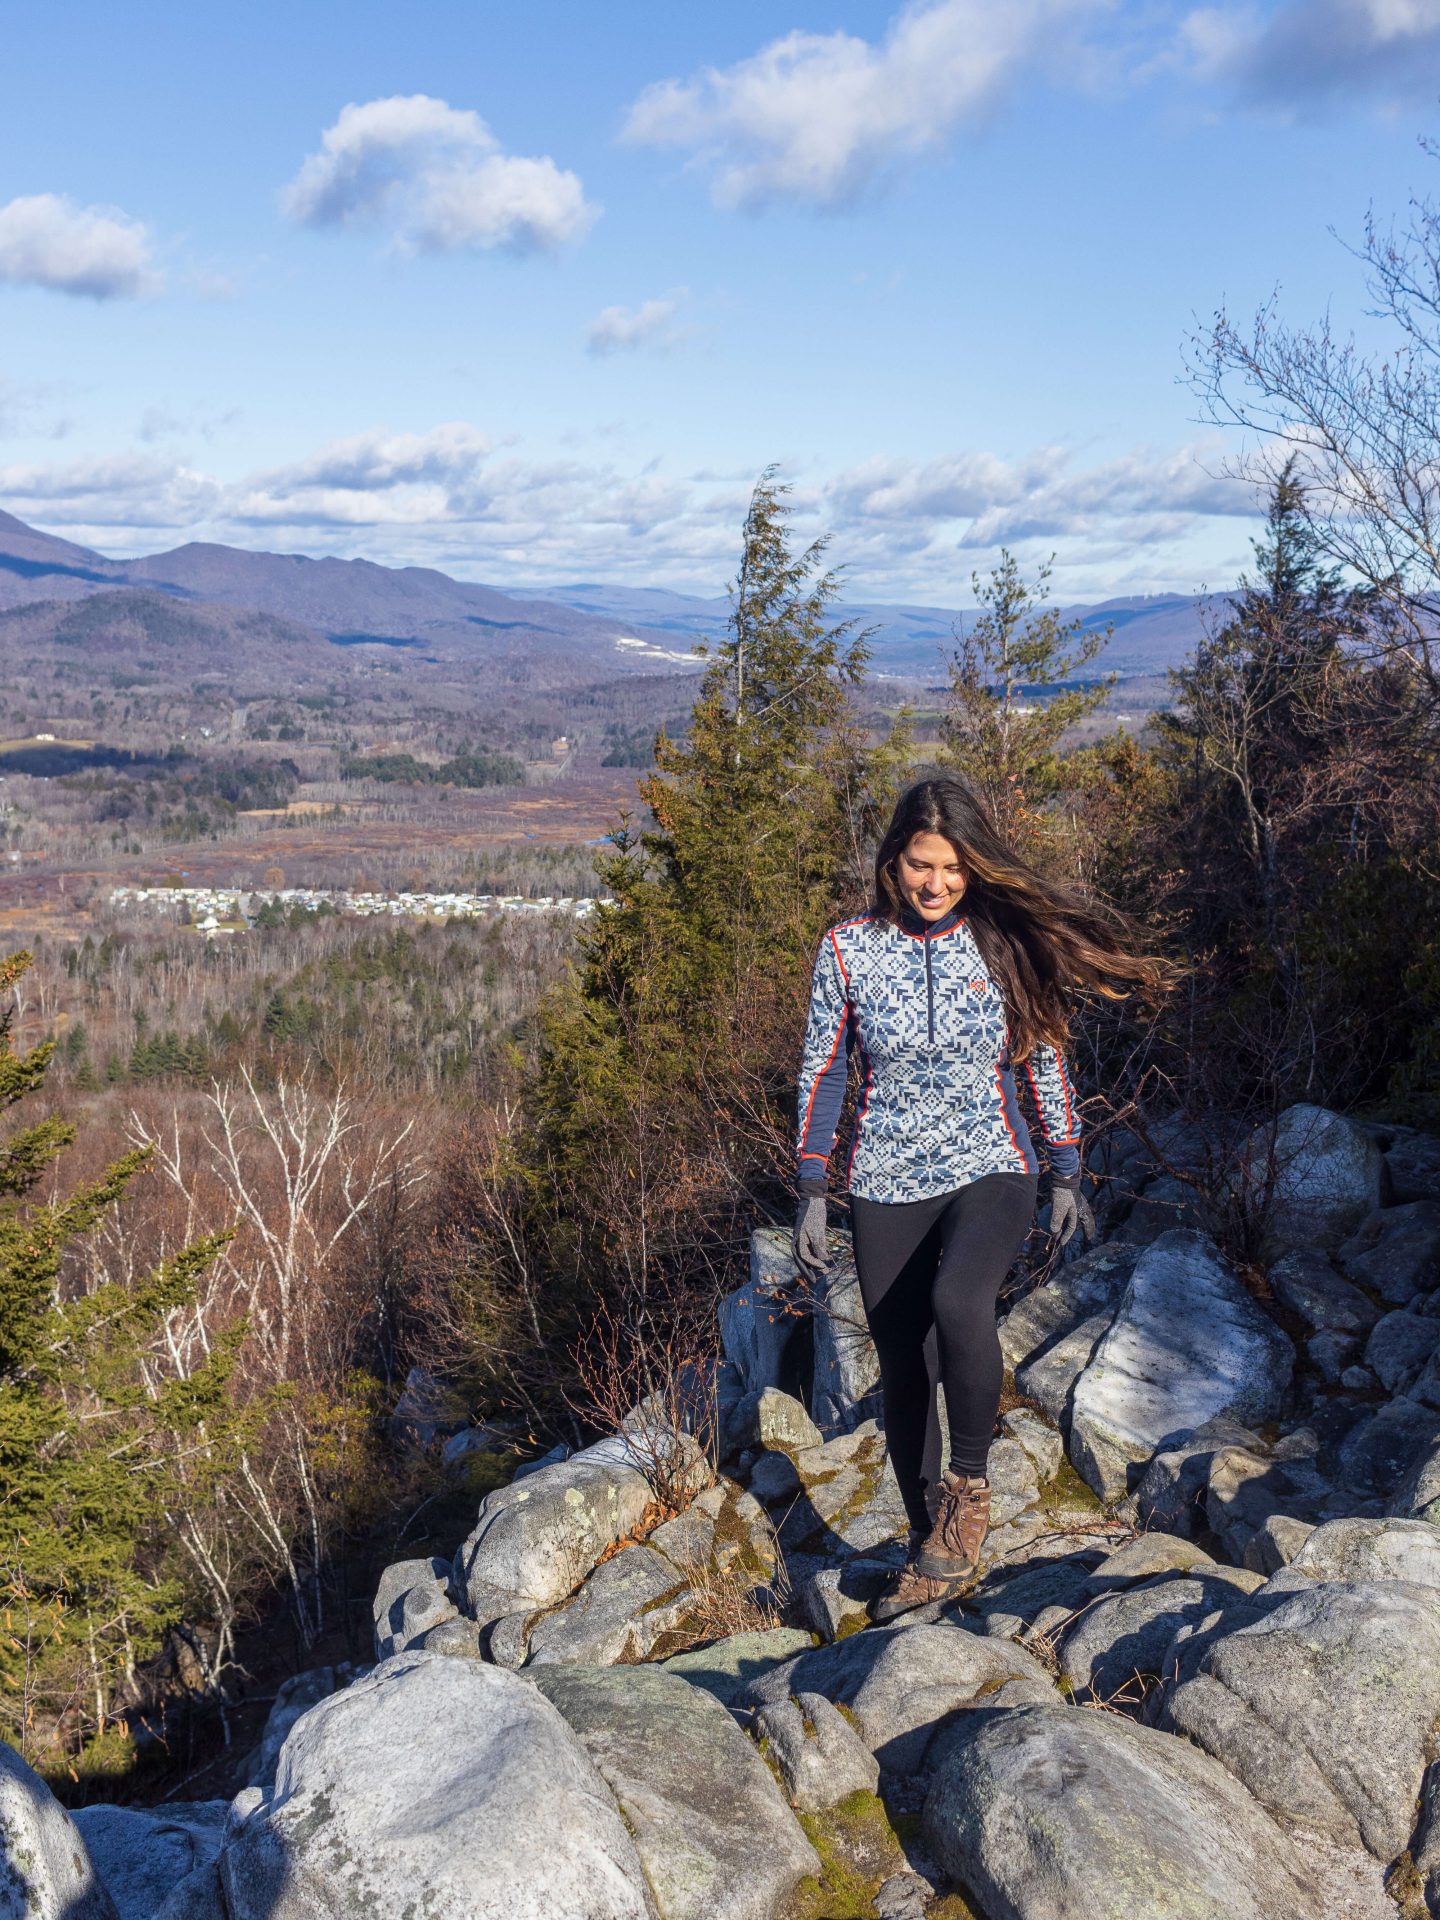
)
(860, 1844)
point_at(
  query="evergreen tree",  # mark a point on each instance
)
(1256, 710)
(1299, 760)
(1013, 697)
(661, 1096)
(89, 1436)
(753, 834)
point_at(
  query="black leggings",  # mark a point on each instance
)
(930, 1272)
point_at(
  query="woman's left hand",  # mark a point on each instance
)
(1070, 1209)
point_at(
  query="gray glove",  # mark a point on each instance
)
(1068, 1209)
(808, 1242)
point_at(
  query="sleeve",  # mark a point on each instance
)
(824, 1065)
(1056, 1106)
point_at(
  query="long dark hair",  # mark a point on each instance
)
(1047, 948)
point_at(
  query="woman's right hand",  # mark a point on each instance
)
(808, 1241)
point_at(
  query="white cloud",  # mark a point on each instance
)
(980, 502)
(373, 462)
(160, 423)
(1306, 52)
(434, 178)
(903, 529)
(118, 491)
(955, 486)
(370, 479)
(625, 329)
(46, 240)
(817, 117)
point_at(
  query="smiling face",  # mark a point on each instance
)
(929, 876)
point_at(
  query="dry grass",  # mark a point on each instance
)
(728, 1600)
(741, 1594)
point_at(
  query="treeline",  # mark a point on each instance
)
(203, 1336)
(191, 1418)
(410, 1008)
(471, 767)
(182, 798)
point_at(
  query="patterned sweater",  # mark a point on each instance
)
(938, 1107)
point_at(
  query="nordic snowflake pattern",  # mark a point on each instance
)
(937, 1103)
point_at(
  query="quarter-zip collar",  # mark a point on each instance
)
(921, 929)
(926, 932)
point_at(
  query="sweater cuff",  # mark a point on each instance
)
(1065, 1162)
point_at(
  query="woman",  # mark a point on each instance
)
(963, 972)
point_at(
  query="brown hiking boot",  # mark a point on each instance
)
(952, 1549)
(906, 1589)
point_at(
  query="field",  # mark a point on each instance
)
(425, 839)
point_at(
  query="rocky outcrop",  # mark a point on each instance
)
(155, 1861)
(713, 1833)
(1085, 1288)
(1043, 1813)
(46, 1872)
(845, 1370)
(1396, 1251)
(1320, 1173)
(1187, 1343)
(765, 1324)
(1416, 1496)
(1247, 1487)
(1412, 1164)
(1372, 1550)
(1399, 1345)
(295, 1696)
(433, 1786)
(619, 1614)
(820, 1757)
(728, 1667)
(1250, 1582)
(1308, 1284)
(1171, 1491)
(1117, 1645)
(412, 1596)
(772, 1419)
(1049, 1376)
(900, 1685)
(1382, 1446)
(1325, 1707)
(535, 1541)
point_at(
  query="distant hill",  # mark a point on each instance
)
(1153, 632)
(346, 602)
(119, 626)
(36, 565)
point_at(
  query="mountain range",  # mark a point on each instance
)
(344, 602)
(1152, 632)
(589, 628)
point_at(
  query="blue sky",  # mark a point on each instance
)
(532, 294)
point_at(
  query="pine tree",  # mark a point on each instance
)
(754, 828)
(662, 1092)
(1253, 709)
(1013, 697)
(89, 1438)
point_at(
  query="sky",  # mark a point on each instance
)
(533, 294)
